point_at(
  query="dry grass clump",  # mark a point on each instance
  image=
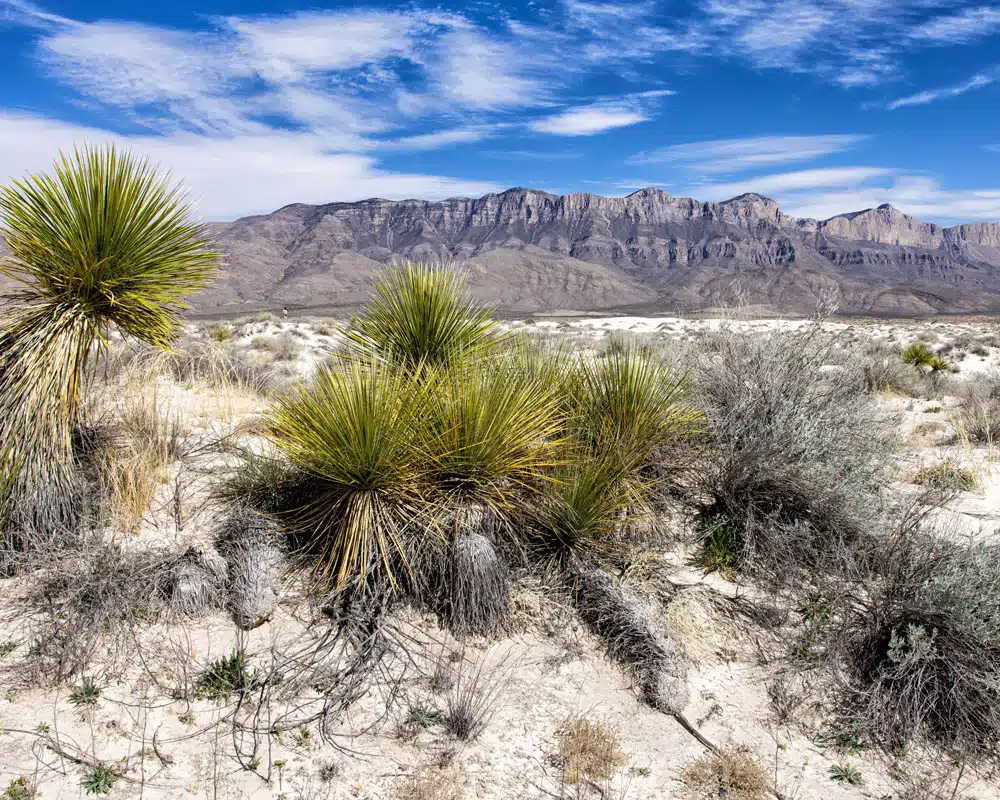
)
(979, 411)
(252, 547)
(588, 749)
(734, 773)
(132, 464)
(797, 457)
(431, 783)
(219, 367)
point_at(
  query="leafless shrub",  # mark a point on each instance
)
(979, 411)
(797, 459)
(251, 545)
(627, 634)
(88, 599)
(920, 644)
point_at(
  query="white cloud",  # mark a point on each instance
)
(733, 155)
(966, 26)
(783, 183)
(230, 177)
(919, 197)
(930, 95)
(289, 48)
(432, 141)
(588, 120)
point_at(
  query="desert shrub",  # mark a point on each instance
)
(796, 457)
(882, 370)
(920, 645)
(103, 245)
(89, 599)
(734, 773)
(220, 333)
(284, 347)
(587, 749)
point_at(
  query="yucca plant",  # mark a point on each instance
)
(353, 431)
(580, 517)
(920, 355)
(633, 401)
(103, 243)
(420, 313)
(492, 432)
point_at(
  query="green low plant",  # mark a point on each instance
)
(846, 773)
(99, 780)
(227, 676)
(19, 789)
(87, 694)
(920, 355)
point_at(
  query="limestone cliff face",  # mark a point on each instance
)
(532, 251)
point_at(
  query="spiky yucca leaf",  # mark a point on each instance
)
(105, 242)
(492, 432)
(354, 430)
(632, 400)
(109, 236)
(420, 313)
(920, 355)
(581, 515)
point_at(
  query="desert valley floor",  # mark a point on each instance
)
(543, 677)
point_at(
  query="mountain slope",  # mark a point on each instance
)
(530, 251)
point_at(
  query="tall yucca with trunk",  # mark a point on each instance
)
(420, 313)
(102, 243)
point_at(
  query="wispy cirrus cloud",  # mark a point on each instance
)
(966, 26)
(930, 95)
(786, 182)
(733, 155)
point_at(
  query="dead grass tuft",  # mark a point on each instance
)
(588, 750)
(733, 773)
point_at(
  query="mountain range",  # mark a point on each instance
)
(533, 252)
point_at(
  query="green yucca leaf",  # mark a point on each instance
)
(106, 234)
(492, 430)
(581, 515)
(354, 430)
(631, 400)
(420, 313)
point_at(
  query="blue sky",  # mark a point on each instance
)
(827, 106)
